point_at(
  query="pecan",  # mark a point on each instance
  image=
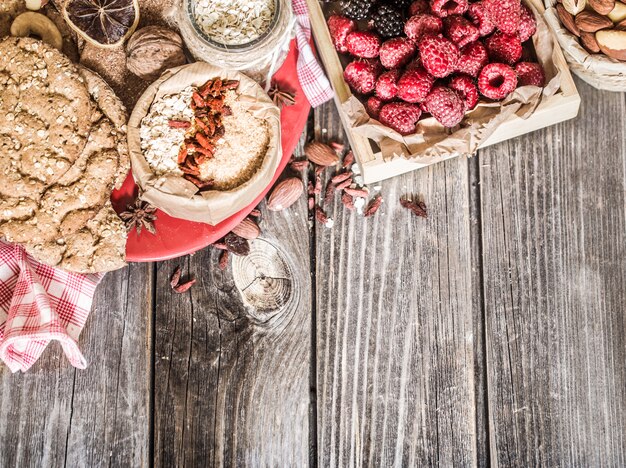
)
(236, 244)
(373, 205)
(178, 124)
(417, 207)
(184, 287)
(175, 279)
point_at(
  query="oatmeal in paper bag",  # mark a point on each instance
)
(204, 142)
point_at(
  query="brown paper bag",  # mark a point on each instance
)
(172, 193)
(432, 142)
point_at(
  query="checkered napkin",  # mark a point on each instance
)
(38, 304)
(310, 74)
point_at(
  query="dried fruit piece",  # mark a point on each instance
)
(299, 166)
(236, 244)
(348, 160)
(347, 200)
(416, 207)
(320, 215)
(285, 194)
(184, 287)
(321, 154)
(175, 278)
(373, 206)
(103, 23)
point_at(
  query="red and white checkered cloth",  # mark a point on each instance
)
(310, 74)
(39, 304)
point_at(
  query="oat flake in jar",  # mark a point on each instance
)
(252, 36)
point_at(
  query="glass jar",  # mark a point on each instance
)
(259, 58)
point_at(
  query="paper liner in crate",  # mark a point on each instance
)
(172, 193)
(433, 143)
(598, 70)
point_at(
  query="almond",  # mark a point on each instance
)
(612, 43)
(589, 42)
(321, 154)
(590, 21)
(567, 20)
(285, 194)
(574, 7)
(248, 229)
(604, 7)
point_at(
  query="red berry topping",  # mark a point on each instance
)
(340, 27)
(480, 18)
(445, 106)
(439, 55)
(473, 58)
(527, 24)
(373, 106)
(530, 73)
(422, 25)
(363, 44)
(419, 6)
(397, 52)
(387, 85)
(466, 89)
(505, 14)
(400, 116)
(504, 48)
(443, 8)
(361, 76)
(497, 81)
(460, 31)
(415, 85)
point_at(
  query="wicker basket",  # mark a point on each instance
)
(598, 70)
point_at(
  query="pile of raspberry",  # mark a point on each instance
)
(448, 53)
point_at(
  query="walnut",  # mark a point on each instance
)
(152, 50)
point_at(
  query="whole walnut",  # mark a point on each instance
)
(152, 50)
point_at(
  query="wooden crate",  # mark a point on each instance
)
(562, 106)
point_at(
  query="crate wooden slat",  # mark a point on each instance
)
(554, 109)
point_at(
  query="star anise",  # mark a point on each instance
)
(281, 97)
(139, 215)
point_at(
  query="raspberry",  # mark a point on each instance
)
(361, 76)
(419, 6)
(439, 55)
(415, 85)
(460, 31)
(363, 44)
(504, 48)
(480, 18)
(445, 106)
(505, 14)
(473, 58)
(466, 89)
(396, 52)
(373, 106)
(400, 116)
(422, 25)
(340, 27)
(387, 85)
(414, 64)
(530, 73)
(527, 24)
(443, 8)
(497, 81)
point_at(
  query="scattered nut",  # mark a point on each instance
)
(37, 25)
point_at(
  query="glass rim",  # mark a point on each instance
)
(231, 47)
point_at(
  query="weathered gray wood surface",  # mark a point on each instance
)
(493, 332)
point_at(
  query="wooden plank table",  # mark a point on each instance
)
(492, 333)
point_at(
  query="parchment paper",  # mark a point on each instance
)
(432, 142)
(174, 194)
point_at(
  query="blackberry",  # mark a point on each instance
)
(388, 21)
(357, 9)
(399, 4)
